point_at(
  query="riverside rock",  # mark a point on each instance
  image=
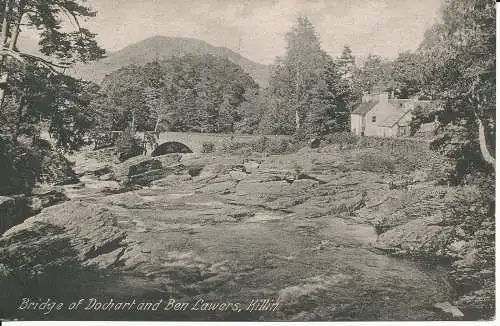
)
(289, 224)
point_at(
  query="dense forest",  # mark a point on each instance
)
(201, 93)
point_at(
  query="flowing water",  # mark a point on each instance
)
(315, 269)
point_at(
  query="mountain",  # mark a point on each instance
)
(162, 47)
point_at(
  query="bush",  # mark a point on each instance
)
(127, 146)
(22, 166)
(233, 146)
(19, 167)
(260, 145)
(264, 144)
(300, 134)
(376, 162)
(208, 147)
(279, 146)
(345, 139)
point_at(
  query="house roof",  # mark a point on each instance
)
(394, 109)
(364, 107)
(392, 116)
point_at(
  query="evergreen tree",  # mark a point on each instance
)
(66, 47)
(346, 64)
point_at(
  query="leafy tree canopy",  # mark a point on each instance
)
(189, 93)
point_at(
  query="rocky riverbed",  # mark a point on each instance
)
(311, 231)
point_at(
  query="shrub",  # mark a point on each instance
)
(344, 139)
(300, 134)
(22, 166)
(55, 168)
(207, 147)
(279, 146)
(127, 146)
(260, 145)
(376, 162)
(19, 167)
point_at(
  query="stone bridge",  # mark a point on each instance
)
(195, 140)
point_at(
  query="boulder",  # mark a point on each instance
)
(449, 310)
(170, 180)
(315, 142)
(144, 170)
(422, 237)
(49, 198)
(63, 240)
(237, 175)
(106, 177)
(251, 165)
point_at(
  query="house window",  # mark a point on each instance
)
(374, 119)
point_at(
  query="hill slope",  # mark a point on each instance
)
(161, 47)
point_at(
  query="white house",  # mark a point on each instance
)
(379, 116)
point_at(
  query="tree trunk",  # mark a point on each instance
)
(5, 23)
(3, 43)
(157, 123)
(482, 144)
(158, 113)
(132, 126)
(12, 45)
(19, 117)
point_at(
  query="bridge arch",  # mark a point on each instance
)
(171, 147)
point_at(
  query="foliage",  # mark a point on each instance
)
(374, 76)
(207, 147)
(22, 166)
(67, 47)
(406, 74)
(19, 168)
(263, 144)
(35, 97)
(38, 101)
(376, 162)
(345, 139)
(459, 69)
(191, 93)
(306, 88)
(127, 145)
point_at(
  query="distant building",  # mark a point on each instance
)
(379, 116)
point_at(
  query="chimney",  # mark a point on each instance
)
(383, 97)
(366, 97)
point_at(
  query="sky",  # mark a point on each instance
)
(256, 28)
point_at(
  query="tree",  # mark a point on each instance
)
(304, 59)
(346, 63)
(57, 102)
(460, 70)
(407, 74)
(189, 93)
(46, 17)
(348, 87)
(375, 75)
(308, 82)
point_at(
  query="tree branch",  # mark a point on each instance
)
(13, 54)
